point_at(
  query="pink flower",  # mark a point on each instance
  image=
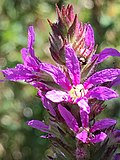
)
(87, 133)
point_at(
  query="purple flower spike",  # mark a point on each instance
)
(69, 118)
(38, 125)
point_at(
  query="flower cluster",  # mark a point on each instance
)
(71, 91)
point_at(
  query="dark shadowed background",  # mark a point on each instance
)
(18, 101)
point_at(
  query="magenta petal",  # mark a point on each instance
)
(72, 64)
(84, 112)
(59, 77)
(20, 72)
(82, 103)
(102, 93)
(98, 138)
(82, 136)
(24, 53)
(31, 40)
(29, 61)
(57, 96)
(89, 37)
(116, 82)
(106, 53)
(48, 105)
(103, 124)
(106, 75)
(69, 118)
(84, 118)
(38, 125)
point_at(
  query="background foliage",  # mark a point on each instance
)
(18, 102)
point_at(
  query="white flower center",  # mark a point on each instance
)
(77, 91)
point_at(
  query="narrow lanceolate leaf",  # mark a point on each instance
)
(58, 76)
(103, 124)
(106, 53)
(57, 96)
(69, 118)
(38, 125)
(72, 64)
(102, 93)
(106, 75)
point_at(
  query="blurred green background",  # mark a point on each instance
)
(18, 101)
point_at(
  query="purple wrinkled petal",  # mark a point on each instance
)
(38, 125)
(69, 118)
(29, 61)
(20, 72)
(72, 64)
(103, 124)
(57, 96)
(98, 138)
(102, 93)
(82, 136)
(107, 52)
(106, 75)
(59, 77)
(84, 118)
(89, 37)
(31, 40)
(48, 105)
(84, 112)
(84, 105)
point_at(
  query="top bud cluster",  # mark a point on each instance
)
(71, 91)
